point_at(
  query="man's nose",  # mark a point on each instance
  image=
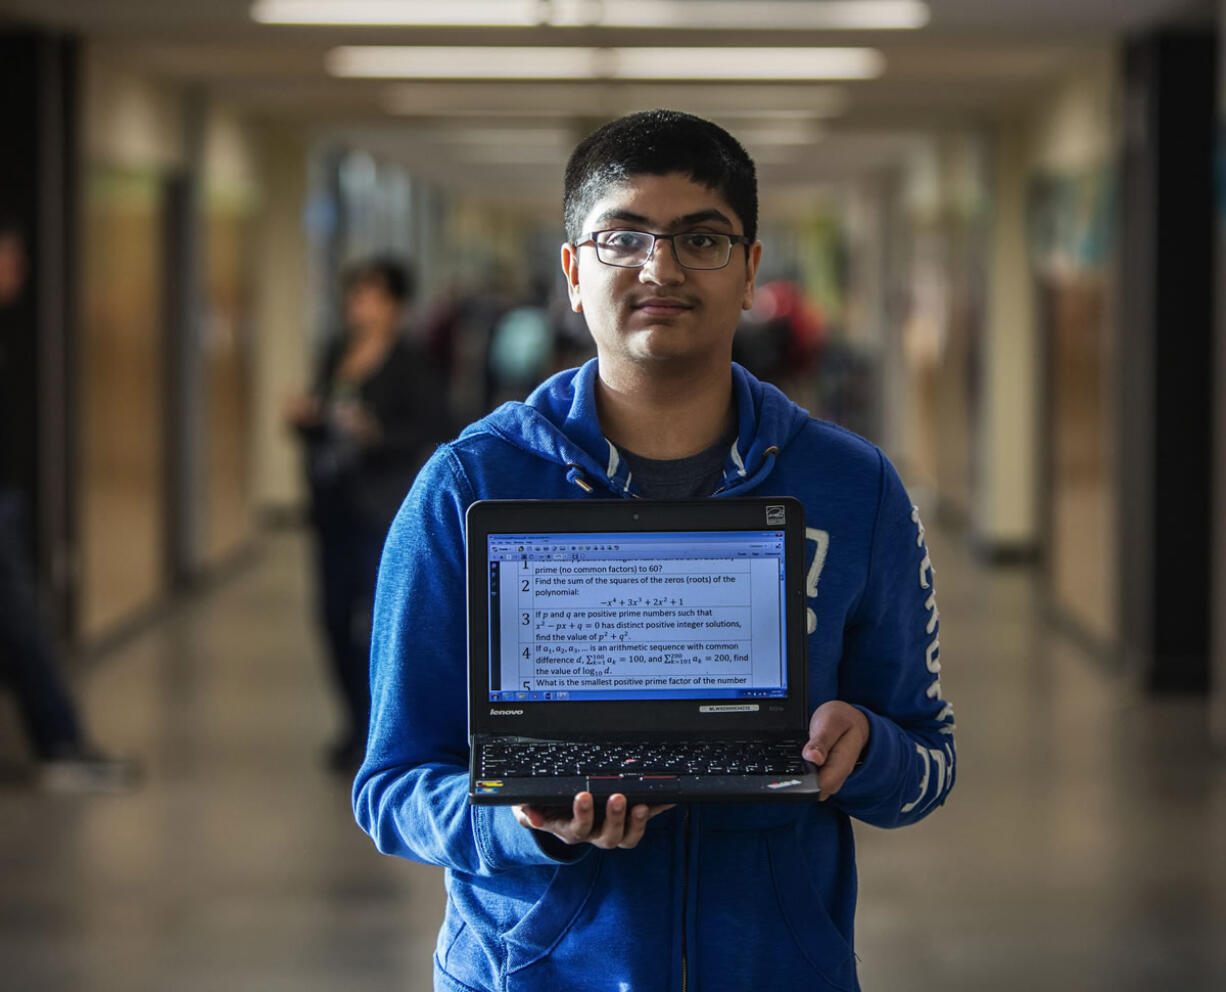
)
(662, 265)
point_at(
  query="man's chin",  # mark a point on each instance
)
(673, 356)
(654, 351)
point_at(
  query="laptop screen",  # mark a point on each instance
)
(647, 615)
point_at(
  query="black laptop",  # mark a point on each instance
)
(650, 648)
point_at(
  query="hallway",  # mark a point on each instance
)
(1083, 849)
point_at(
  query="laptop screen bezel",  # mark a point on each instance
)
(603, 719)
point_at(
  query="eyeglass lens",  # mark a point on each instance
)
(694, 249)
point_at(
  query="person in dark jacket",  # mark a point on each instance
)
(67, 761)
(376, 409)
(660, 257)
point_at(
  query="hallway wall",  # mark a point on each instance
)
(231, 207)
(171, 194)
(282, 348)
(1072, 220)
(132, 144)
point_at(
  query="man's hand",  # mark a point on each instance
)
(621, 827)
(838, 732)
(354, 420)
(302, 411)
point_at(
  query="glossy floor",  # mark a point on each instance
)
(1083, 849)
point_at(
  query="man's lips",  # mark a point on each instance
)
(662, 305)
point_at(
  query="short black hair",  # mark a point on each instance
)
(392, 275)
(656, 143)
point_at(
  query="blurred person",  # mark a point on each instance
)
(441, 326)
(781, 337)
(521, 347)
(67, 761)
(491, 299)
(572, 343)
(377, 408)
(661, 217)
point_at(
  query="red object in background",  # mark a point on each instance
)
(784, 301)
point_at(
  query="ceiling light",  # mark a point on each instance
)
(421, 62)
(440, 13)
(830, 15)
(405, 62)
(747, 63)
(594, 98)
(742, 14)
(397, 101)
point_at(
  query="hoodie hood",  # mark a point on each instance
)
(558, 422)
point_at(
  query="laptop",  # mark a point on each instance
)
(650, 648)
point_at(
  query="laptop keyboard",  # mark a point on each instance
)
(565, 758)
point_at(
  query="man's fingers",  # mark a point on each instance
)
(830, 727)
(838, 733)
(622, 826)
(538, 817)
(840, 762)
(828, 724)
(821, 745)
(581, 823)
(570, 824)
(614, 827)
(636, 823)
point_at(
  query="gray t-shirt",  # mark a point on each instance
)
(680, 478)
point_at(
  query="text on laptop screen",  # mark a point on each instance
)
(651, 615)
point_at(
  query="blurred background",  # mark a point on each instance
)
(994, 236)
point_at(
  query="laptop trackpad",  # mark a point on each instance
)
(602, 787)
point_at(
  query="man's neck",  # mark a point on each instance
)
(664, 416)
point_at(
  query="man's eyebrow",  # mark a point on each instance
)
(701, 217)
(678, 223)
(626, 215)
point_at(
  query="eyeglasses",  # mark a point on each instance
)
(692, 249)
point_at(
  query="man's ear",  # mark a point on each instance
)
(753, 255)
(570, 268)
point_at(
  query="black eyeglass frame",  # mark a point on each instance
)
(733, 239)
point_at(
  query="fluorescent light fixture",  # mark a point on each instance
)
(396, 101)
(747, 63)
(406, 62)
(431, 13)
(595, 98)
(421, 62)
(829, 15)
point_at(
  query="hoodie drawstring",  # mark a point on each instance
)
(575, 474)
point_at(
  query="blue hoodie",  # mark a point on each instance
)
(714, 897)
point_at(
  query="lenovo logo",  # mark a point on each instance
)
(506, 712)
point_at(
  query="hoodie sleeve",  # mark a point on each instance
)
(891, 671)
(411, 793)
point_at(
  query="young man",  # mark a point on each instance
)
(661, 215)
